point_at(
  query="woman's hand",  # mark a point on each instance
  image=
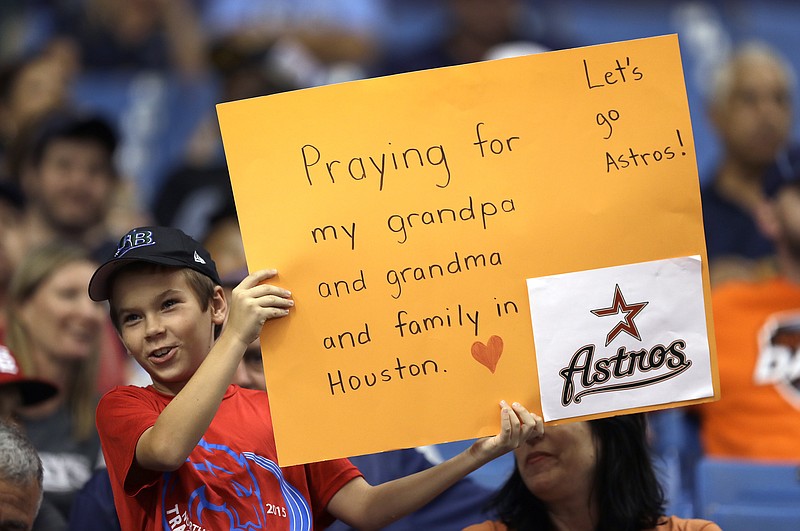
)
(517, 426)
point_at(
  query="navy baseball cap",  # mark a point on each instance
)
(156, 245)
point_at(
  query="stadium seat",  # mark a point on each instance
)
(676, 449)
(740, 495)
(749, 517)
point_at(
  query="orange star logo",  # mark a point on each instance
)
(629, 310)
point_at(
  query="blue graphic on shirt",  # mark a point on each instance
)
(248, 512)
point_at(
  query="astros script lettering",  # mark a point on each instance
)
(620, 366)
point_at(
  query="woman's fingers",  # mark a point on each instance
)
(518, 425)
(532, 425)
(510, 424)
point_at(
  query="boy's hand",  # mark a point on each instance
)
(517, 426)
(253, 303)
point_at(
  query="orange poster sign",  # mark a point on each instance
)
(407, 213)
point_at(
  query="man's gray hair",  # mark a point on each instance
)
(19, 462)
(722, 77)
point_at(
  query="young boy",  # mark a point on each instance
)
(192, 452)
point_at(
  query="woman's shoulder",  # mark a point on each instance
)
(487, 526)
(674, 523)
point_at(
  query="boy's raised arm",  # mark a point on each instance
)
(363, 506)
(178, 429)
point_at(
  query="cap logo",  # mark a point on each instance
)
(7, 363)
(198, 259)
(134, 240)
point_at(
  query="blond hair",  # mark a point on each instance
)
(38, 266)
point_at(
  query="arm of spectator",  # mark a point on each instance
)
(185, 37)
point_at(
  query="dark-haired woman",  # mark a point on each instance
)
(586, 476)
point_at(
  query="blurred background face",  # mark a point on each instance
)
(250, 373)
(42, 85)
(73, 184)
(561, 464)
(60, 318)
(18, 505)
(224, 242)
(755, 117)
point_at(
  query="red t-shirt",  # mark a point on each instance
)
(757, 328)
(231, 479)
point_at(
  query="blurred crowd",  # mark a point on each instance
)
(107, 121)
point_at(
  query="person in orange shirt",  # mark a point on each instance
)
(586, 475)
(757, 328)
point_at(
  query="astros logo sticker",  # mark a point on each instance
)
(622, 337)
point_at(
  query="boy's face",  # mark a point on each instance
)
(163, 325)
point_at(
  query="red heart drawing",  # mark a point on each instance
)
(488, 355)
